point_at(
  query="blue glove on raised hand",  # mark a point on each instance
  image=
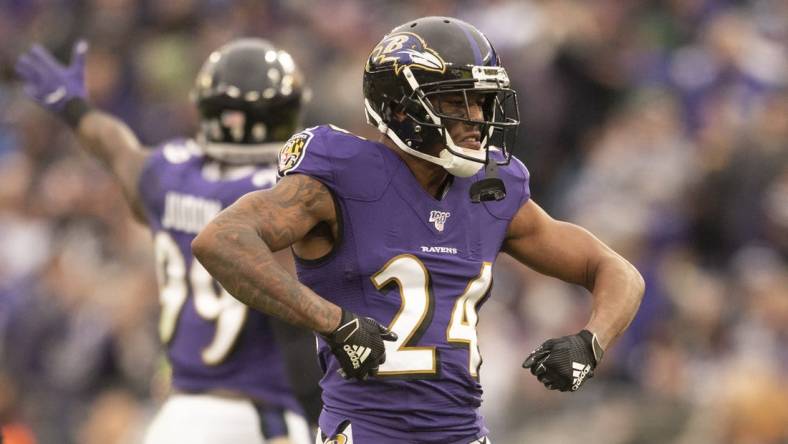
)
(49, 83)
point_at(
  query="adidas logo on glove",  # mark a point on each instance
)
(579, 373)
(357, 354)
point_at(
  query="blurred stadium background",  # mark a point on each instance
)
(662, 126)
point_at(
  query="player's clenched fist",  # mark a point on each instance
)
(358, 345)
(565, 363)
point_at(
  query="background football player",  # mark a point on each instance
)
(395, 242)
(229, 373)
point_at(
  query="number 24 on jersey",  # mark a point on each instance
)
(415, 314)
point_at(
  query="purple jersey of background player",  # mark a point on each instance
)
(420, 265)
(213, 341)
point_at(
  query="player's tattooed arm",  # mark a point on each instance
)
(114, 144)
(236, 248)
(570, 253)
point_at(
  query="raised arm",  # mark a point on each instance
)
(570, 253)
(112, 142)
(236, 248)
(61, 90)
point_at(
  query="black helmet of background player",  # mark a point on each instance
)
(421, 61)
(249, 95)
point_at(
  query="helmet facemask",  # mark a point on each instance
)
(432, 105)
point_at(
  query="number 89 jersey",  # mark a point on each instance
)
(420, 265)
(213, 341)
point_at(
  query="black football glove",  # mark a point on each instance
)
(565, 363)
(358, 345)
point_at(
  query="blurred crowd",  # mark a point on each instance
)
(659, 125)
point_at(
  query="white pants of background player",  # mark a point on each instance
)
(207, 419)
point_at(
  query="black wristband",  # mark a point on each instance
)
(74, 110)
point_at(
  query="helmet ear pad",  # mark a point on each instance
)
(411, 123)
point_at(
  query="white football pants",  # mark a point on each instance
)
(209, 419)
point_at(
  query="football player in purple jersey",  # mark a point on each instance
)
(237, 374)
(395, 241)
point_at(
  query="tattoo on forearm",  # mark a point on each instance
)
(244, 264)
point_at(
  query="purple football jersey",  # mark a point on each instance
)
(213, 341)
(420, 265)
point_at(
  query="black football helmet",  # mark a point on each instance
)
(249, 96)
(419, 63)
